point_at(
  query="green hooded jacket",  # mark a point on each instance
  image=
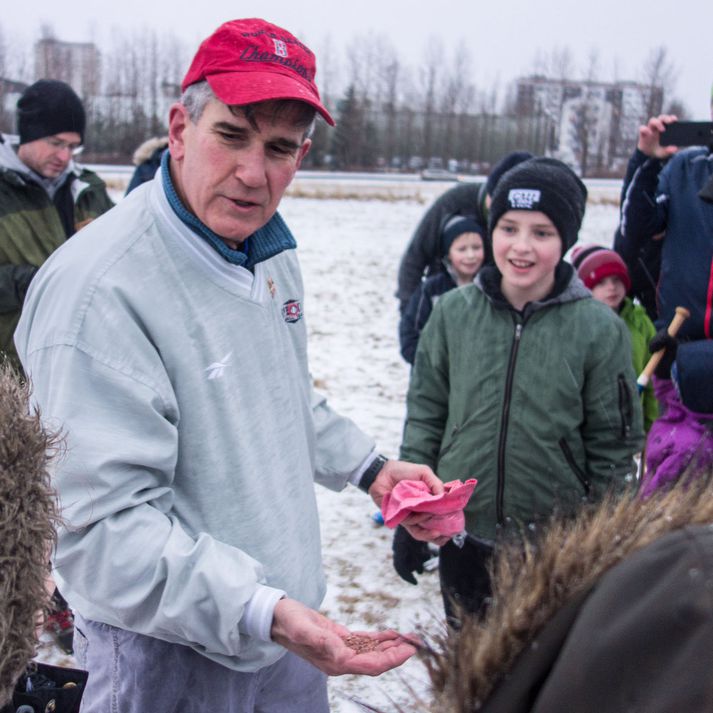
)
(31, 230)
(540, 406)
(641, 331)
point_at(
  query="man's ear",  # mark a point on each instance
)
(304, 150)
(178, 122)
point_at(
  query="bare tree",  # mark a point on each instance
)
(659, 74)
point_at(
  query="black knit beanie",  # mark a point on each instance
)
(49, 107)
(546, 185)
(455, 227)
(502, 167)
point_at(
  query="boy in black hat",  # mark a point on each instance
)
(522, 381)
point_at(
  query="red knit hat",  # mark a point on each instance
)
(249, 61)
(593, 263)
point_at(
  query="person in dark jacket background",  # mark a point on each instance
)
(672, 191)
(423, 253)
(642, 257)
(44, 196)
(463, 251)
(147, 159)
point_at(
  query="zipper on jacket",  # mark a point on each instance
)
(625, 408)
(569, 457)
(504, 423)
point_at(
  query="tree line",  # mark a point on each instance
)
(390, 115)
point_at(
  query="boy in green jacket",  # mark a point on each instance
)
(522, 381)
(606, 275)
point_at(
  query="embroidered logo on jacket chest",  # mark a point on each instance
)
(292, 311)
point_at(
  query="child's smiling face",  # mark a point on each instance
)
(526, 248)
(466, 256)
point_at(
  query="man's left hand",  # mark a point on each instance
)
(396, 470)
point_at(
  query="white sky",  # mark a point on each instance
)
(503, 35)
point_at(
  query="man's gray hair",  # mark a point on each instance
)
(196, 97)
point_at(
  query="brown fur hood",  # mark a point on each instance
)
(27, 516)
(146, 150)
(542, 594)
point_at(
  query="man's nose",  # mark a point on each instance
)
(251, 167)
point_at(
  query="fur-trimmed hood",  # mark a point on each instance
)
(27, 517)
(610, 612)
(146, 150)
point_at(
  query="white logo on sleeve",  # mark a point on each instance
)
(523, 198)
(216, 369)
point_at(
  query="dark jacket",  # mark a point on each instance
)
(418, 310)
(611, 613)
(665, 197)
(423, 253)
(31, 229)
(540, 406)
(642, 257)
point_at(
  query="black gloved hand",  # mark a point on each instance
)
(663, 340)
(409, 555)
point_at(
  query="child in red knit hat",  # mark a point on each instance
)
(606, 275)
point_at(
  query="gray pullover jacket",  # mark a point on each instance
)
(193, 435)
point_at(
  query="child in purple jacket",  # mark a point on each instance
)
(682, 437)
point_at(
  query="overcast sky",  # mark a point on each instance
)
(503, 35)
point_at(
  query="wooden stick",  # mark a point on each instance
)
(682, 314)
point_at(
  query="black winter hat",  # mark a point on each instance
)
(49, 107)
(502, 167)
(546, 185)
(455, 226)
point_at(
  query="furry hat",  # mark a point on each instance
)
(546, 185)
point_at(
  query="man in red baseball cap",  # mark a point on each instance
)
(169, 343)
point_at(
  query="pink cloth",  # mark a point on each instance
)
(414, 496)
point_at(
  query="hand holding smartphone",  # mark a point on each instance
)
(687, 133)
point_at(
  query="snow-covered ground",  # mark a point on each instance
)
(350, 249)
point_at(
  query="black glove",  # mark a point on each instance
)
(663, 340)
(409, 555)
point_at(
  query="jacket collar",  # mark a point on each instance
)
(568, 288)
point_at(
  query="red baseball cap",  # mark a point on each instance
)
(248, 61)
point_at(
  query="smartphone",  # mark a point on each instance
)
(688, 133)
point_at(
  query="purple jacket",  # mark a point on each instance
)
(678, 438)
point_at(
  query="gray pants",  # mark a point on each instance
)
(131, 673)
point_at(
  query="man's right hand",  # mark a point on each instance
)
(320, 641)
(650, 135)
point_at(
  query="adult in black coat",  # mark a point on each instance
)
(642, 257)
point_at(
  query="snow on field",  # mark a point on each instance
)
(349, 251)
